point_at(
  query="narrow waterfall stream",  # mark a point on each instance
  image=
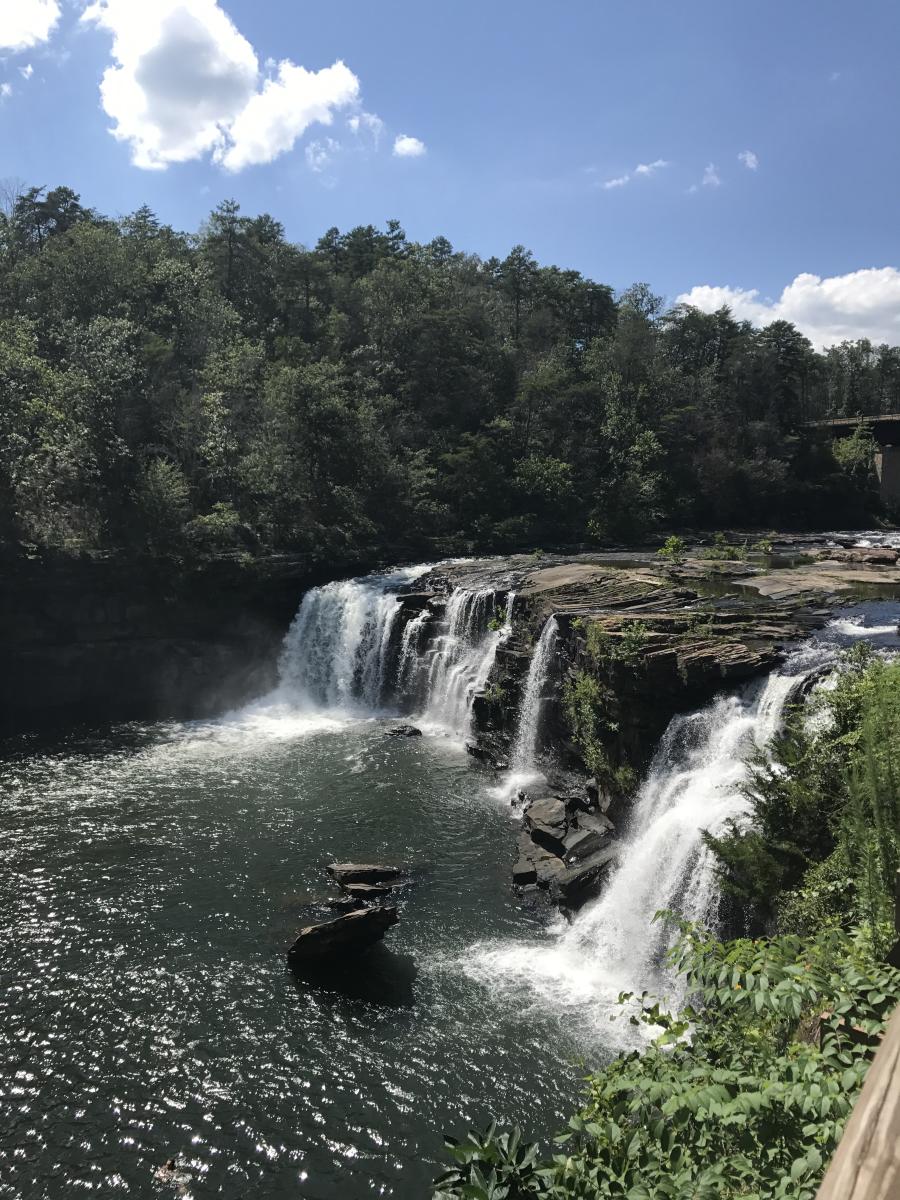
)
(523, 762)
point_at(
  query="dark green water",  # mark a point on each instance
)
(151, 878)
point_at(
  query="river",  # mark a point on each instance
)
(153, 875)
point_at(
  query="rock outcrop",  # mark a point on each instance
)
(348, 934)
(566, 847)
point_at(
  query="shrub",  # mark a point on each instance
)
(746, 1096)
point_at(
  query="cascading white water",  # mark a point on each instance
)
(459, 658)
(695, 782)
(337, 650)
(525, 747)
(523, 758)
(344, 652)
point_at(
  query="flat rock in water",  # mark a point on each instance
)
(404, 731)
(347, 934)
(346, 873)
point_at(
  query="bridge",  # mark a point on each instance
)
(885, 429)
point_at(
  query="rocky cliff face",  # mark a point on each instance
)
(96, 641)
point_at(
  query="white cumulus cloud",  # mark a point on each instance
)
(273, 119)
(749, 159)
(25, 23)
(619, 181)
(185, 83)
(27, 71)
(863, 303)
(408, 147)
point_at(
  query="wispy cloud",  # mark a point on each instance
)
(320, 154)
(366, 123)
(711, 176)
(749, 159)
(27, 71)
(5, 91)
(642, 169)
(649, 168)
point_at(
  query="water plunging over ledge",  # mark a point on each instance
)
(695, 782)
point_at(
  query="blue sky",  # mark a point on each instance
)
(516, 117)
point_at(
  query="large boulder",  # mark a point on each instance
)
(346, 873)
(574, 886)
(547, 821)
(347, 934)
(591, 834)
(404, 731)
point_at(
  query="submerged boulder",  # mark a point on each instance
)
(347, 934)
(346, 873)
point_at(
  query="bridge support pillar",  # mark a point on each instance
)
(887, 467)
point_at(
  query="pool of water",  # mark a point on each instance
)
(151, 880)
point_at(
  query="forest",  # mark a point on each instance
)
(229, 392)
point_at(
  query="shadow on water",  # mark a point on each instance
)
(377, 976)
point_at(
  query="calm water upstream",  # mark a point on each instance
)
(151, 878)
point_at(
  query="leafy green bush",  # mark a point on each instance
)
(746, 1096)
(585, 701)
(673, 548)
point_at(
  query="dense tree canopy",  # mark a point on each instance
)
(230, 390)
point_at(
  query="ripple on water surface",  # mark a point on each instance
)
(151, 878)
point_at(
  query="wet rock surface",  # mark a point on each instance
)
(347, 934)
(356, 873)
(566, 847)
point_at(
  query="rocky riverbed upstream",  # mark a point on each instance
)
(155, 1037)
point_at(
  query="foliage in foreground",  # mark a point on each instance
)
(824, 843)
(745, 1096)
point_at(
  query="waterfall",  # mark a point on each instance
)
(337, 652)
(346, 653)
(695, 782)
(525, 747)
(459, 658)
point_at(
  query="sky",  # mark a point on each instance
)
(724, 153)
